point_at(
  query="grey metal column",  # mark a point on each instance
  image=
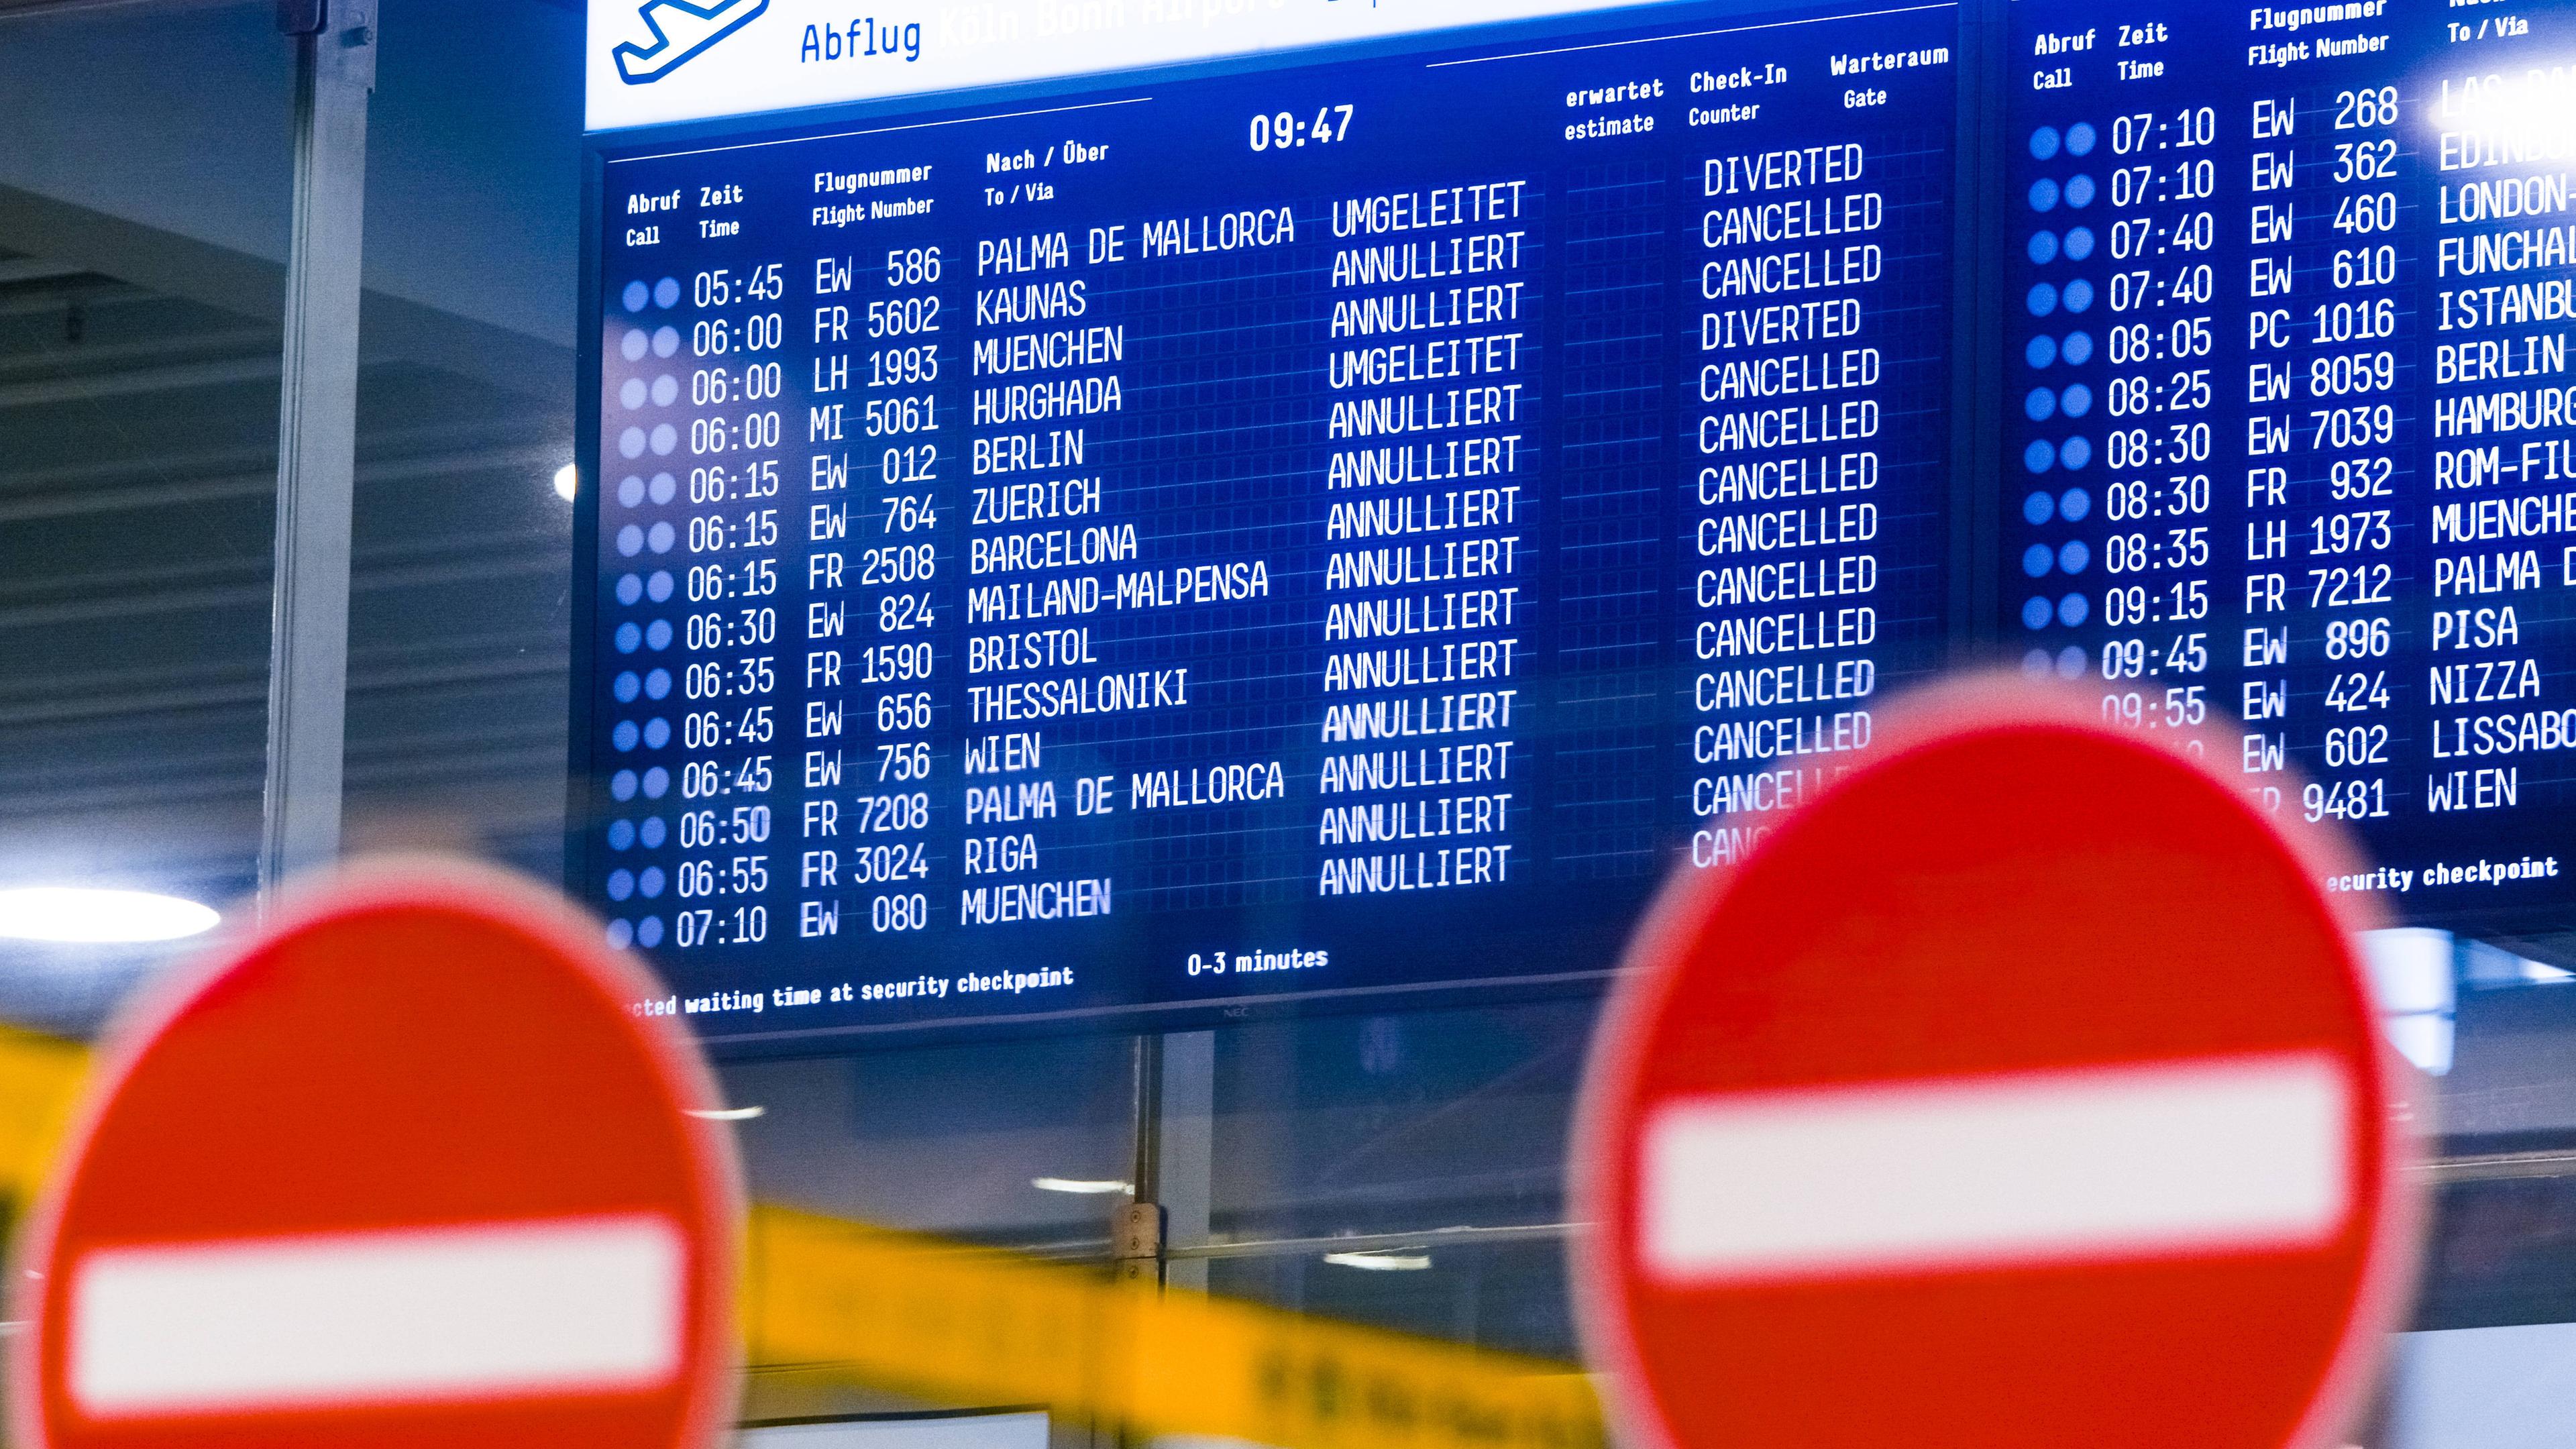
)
(1185, 1178)
(308, 661)
(1136, 1238)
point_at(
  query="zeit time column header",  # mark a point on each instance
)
(1344, 526)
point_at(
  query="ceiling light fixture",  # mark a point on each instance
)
(72, 913)
(1381, 1260)
(567, 482)
(1087, 1186)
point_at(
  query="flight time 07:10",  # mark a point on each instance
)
(1284, 130)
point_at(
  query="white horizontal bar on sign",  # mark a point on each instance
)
(580, 1305)
(2245, 1152)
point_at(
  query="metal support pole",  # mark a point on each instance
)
(1136, 1238)
(1184, 1178)
(308, 661)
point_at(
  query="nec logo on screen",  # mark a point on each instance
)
(680, 31)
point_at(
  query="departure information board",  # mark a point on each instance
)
(1347, 520)
(1311, 529)
(2290, 411)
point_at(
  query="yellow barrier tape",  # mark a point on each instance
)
(40, 1080)
(915, 1315)
(972, 1326)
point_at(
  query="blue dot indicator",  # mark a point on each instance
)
(634, 344)
(657, 635)
(650, 882)
(2070, 662)
(2079, 348)
(657, 733)
(2072, 610)
(2043, 143)
(653, 832)
(2079, 139)
(2041, 352)
(2043, 247)
(629, 684)
(2074, 503)
(2074, 556)
(630, 540)
(2034, 613)
(2036, 560)
(629, 638)
(666, 292)
(637, 294)
(657, 685)
(622, 785)
(620, 934)
(630, 443)
(663, 487)
(2043, 195)
(621, 884)
(666, 390)
(662, 537)
(657, 587)
(665, 438)
(657, 783)
(648, 932)
(624, 736)
(631, 396)
(2038, 509)
(2039, 457)
(2039, 405)
(2075, 453)
(631, 491)
(2079, 191)
(621, 834)
(2079, 243)
(666, 340)
(2077, 400)
(2035, 662)
(629, 588)
(2042, 300)
(2079, 295)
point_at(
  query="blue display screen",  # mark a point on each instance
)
(1331, 527)
(2285, 307)
(1199, 540)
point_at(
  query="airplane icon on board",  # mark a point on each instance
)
(680, 30)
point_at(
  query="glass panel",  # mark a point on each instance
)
(948, 1139)
(1373, 1124)
(141, 227)
(459, 620)
(1508, 1296)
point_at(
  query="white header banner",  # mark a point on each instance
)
(657, 61)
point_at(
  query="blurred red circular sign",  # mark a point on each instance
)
(2021, 1091)
(402, 1171)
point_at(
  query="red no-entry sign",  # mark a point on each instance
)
(2021, 1090)
(403, 1171)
